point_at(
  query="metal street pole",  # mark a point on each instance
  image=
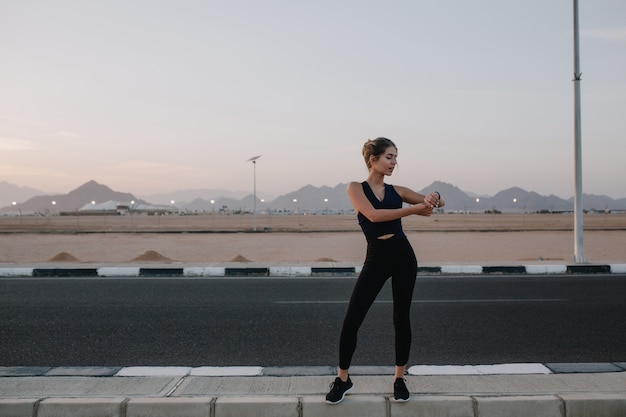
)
(579, 251)
(253, 160)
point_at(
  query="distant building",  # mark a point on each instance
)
(115, 208)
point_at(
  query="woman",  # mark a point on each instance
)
(379, 208)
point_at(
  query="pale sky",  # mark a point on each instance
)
(155, 96)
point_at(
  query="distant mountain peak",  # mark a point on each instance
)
(89, 192)
(91, 185)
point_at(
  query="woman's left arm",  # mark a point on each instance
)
(409, 196)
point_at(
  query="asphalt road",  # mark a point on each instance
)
(296, 321)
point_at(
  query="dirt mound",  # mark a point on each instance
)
(151, 255)
(325, 260)
(63, 257)
(240, 258)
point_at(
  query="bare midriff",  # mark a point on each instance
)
(387, 236)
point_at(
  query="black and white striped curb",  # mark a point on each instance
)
(252, 371)
(301, 271)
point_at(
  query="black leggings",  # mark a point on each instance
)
(393, 258)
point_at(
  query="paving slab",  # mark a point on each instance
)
(595, 404)
(434, 405)
(83, 371)
(24, 370)
(89, 407)
(53, 386)
(229, 386)
(18, 407)
(252, 406)
(591, 367)
(352, 405)
(518, 384)
(168, 407)
(522, 406)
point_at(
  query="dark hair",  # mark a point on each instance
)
(376, 148)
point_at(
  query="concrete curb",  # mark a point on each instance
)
(557, 405)
(215, 392)
(300, 271)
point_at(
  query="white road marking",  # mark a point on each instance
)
(443, 301)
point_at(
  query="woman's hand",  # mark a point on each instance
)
(422, 209)
(432, 199)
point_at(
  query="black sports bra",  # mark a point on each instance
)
(391, 200)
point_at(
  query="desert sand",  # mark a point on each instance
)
(503, 239)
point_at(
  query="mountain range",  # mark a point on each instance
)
(308, 198)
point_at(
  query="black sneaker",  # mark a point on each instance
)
(338, 390)
(400, 391)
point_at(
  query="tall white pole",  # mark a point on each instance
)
(254, 209)
(579, 251)
(253, 160)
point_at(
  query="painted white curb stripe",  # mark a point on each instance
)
(618, 268)
(227, 371)
(118, 272)
(16, 272)
(546, 269)
(184, 371)
(501, 369)
(205, 271)
(290, 271)
(154, 371)
(461, 269)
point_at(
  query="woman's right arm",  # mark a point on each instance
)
(362, 205)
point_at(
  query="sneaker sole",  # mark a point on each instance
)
(342, 397)
(401, 400)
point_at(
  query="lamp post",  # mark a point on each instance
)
(19, 210)
(579, 251)
(253, 160)
(296, 211)
(130, 212)
(50, 211)
(326, 211)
